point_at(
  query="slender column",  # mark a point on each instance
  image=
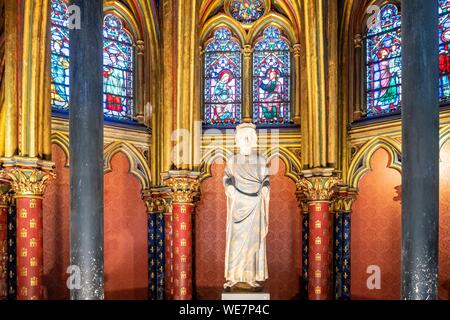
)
(305, 257)
(247, 85)
(184, 186)
(140, 81)
(29, 185)
(342, 237)
(12, 252)
(168, 243)
(4, 206)
(296, 51)
(86, 150)
(420, 147)
(319, 187)
(157, 200)
(358, 110)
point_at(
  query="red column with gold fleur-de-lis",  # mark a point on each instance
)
(184, 186)
(29, 186)
(318, 188)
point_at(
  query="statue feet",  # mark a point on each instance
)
(233, 286)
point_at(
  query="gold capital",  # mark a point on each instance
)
(184, 186)
(27, 182)
(318, 186)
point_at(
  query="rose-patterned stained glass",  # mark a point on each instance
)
(223, 69)
(444, 52)
(117, 70)
(271, 78)
(59, 56)
(247, 11)
(383, 54)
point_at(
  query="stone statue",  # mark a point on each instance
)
(247, 188)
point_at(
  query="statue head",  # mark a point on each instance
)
(246, 138)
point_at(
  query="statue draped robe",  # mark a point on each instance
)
(247, 220)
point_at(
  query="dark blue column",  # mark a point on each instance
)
(12, 261)
(305, 253)
(420, 150)
(86, 150)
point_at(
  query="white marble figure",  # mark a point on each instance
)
(247, 188)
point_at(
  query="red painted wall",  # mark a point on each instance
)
(57, 230)
(284, 239)
(126, 275)
(376, 231)
(125, 233)
(444, 232)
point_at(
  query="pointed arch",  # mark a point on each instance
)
(129, 17)
(222, 20)
(293, 165)
(209, 158)
(361, 163)
(276, 20)
(138, 164)
(62, 140)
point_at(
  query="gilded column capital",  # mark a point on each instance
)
(319, 185)
(358, 41)
(157, 200)
(184, 186)
(5, 194)
(345, 198)
(247, 51)
(28, 182)
(296, 49)
(140, 47)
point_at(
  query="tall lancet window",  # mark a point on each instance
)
(444, 52)
(383, 67)
(60, 56)
(223, 72)
(117, 64)
(117, 70)
(271, 78)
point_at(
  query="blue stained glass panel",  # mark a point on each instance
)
(223, 68)
(117, 70)
(271, 78)
(247, 11)
(59, 45)
(383, 55)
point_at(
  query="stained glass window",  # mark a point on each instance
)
(60, 56)
(444, 52)
(222, 79)
(117, 69)
(247, 11)
(271, 78)
(384, 63)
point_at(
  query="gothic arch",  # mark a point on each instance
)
(444, 136)
(217, 153)
(361, 163)
(120, 10)
(293, 165)
(62, 140)
(219, 21)
(138, 164)
(277, 20)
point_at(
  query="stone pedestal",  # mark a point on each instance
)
(246, 296)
